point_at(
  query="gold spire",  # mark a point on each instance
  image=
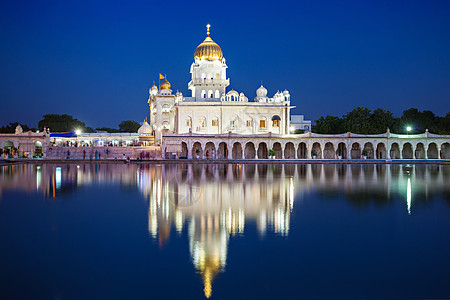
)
(208, 49)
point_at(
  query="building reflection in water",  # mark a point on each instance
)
(214, 202)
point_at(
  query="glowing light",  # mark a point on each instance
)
(78, 131)
(409, 128)
(292, 128)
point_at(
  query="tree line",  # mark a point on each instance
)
(67, 123)
(364, 121)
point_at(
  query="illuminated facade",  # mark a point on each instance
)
(211, 109)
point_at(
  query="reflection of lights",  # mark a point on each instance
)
(408, 196)
(291, 193)
(179, 221)
(38, 177)
(58, 178)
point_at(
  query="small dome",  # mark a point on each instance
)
(145, 128)
(233, 93)
(285, 92)
(208, 49)
(165, 85)
(261, 92)
(19, 129)
(153, 89)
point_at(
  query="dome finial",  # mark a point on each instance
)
(207, 29)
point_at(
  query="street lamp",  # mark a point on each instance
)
(408, 129)
(78, 131)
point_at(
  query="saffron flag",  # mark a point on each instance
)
(161, 76)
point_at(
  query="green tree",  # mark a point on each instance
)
(62, 123)
(418, 121)
(444, 124)
(358, 120)
(11, 128)
(329, 124)
(129, 126)
(381, 120)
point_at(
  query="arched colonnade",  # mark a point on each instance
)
(202, 148)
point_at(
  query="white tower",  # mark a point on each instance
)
(209, 71)
(162, 109)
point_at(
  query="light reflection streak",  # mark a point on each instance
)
(408, 196)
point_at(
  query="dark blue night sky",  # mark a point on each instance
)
(95, 60)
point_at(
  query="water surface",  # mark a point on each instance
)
(226, 231)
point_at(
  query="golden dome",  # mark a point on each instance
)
(165, 85)
(208, 49)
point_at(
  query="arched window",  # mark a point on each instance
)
(203, 95)
(217, 76)
(210, 76)
(202, 122)
(217, 94)
(210, 94)
(276, 121)
(203, 76)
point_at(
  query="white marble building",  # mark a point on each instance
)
(213, 110)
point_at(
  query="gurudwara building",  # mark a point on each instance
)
(211, 109)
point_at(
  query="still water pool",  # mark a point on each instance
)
(225, 231)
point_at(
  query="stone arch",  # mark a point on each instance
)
(316, 151)
(249, 151)
(368, 150)
(184, 150)
(210, 94)
(420, 151)
(217, 95)
(381, 151)
(210, 150)
(262, 151)
(203, 94)
(236, 151)
(432, 152)
(38, 148)
(302, 151)
(407, 151)
(222, 151)
(197, 151)
(356, 151)
(445, 151)
(289, 151)
(395, 151)
(277, 147)
(341, 150)
(328, 151)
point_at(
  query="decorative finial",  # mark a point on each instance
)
(207, 29)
